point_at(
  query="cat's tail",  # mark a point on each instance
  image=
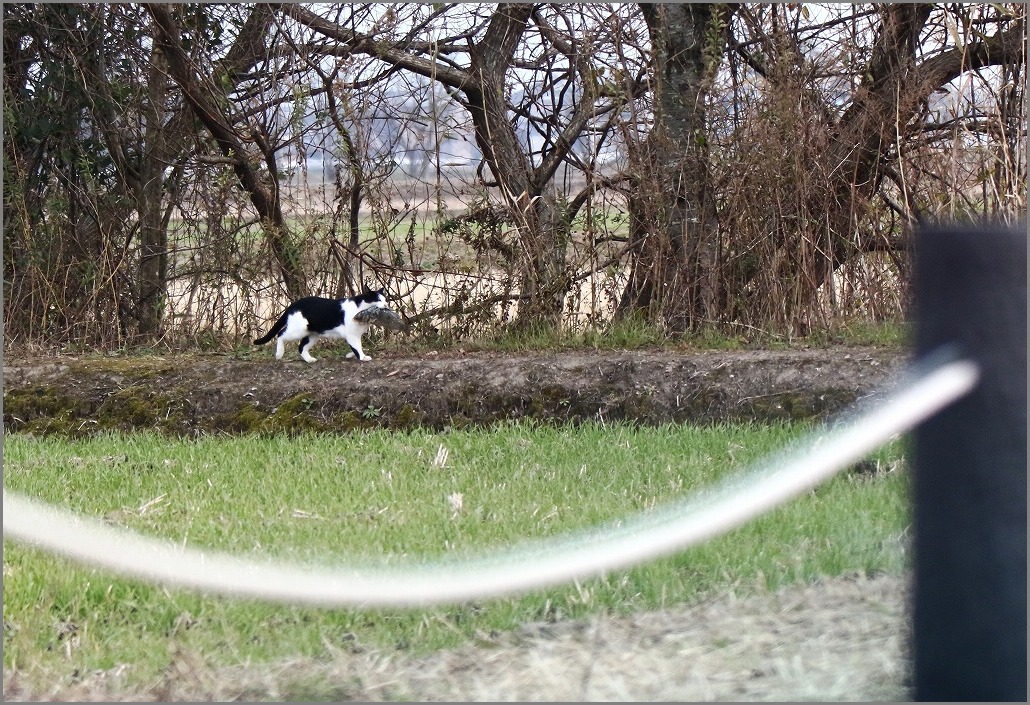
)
(276, 329)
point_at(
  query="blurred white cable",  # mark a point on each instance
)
(538, 564)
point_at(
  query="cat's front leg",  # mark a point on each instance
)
(305, 348)
(356, 351)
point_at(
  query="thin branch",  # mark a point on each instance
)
(363, 44)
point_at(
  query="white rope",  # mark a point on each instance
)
(542, 563)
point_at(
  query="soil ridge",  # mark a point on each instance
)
(195, 394)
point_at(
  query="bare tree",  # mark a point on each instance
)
(76, 167)
(482, 84)
(202, 93)
(857, 140)
(758, 235)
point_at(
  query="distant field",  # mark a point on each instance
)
(378, 495)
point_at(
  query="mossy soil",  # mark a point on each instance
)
(234, 394)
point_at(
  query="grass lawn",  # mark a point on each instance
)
(381, 496)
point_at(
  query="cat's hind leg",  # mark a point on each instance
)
(296, 329)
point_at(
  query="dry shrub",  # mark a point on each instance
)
(771, 180)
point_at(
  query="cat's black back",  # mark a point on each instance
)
(325, 314)
(321, 314)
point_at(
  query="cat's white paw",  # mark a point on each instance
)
(350, 355)
(308, 358)
(365, 358)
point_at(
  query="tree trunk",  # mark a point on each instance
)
(674, 224)
(153, 267)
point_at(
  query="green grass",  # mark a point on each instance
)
(636, 334)
(379, 496)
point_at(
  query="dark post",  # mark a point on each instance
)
(970, 472)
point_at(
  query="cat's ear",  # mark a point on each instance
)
(365, 288)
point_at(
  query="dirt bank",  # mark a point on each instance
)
(218, 393)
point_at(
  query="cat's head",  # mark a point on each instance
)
(370, 297)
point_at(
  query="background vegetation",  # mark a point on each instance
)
(173, 174)
(521, 174)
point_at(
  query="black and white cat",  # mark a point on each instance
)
(313, 317)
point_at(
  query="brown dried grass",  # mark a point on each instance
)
(840, 639)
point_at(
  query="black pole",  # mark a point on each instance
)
(970, 471)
